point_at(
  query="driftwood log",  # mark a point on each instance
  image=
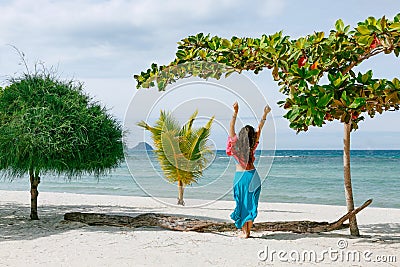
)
(193, 224)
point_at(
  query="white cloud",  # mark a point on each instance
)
(106, 42)
(43, 19)
(271, 8)
(79, 35)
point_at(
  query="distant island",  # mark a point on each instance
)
(142, 146)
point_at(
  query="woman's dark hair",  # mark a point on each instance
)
(245, 143)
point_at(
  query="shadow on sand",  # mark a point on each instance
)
(15, 224)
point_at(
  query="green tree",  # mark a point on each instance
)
(315, 73)
(182, 151)
(49, 126)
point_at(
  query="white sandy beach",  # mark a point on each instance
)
(54, 242)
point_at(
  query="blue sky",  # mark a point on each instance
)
(104, 43)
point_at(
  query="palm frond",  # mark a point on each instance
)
(195, 150)
(187, 128)
(167, 122)
(200, 137)
(170, 155)
(144, 125)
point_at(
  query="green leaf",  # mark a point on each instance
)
(397, 51)
(396, 83)
(331, 77)
(364, 40)
(320, 36)
(371, 21)
(161, 85)
(358, 102)
(292, 114)
(229, 72)
(203, 54)
(395, 26)
(363, 29)
(311, 73)
(181, 54)
(311, 102)
(365, 78)
(300, 43)
(226, 43)
(212, 45)
(339, 25)
(345, 98)
(309, 112)
(337, 82)
(379, 26)
(324, 100)
(397, 18)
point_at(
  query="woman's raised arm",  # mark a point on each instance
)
(267, 109)
(232, 132)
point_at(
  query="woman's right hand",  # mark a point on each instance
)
(236, 107)
(267, 109)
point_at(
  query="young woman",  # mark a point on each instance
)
(247, 183)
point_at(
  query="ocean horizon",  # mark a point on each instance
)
(289, 176)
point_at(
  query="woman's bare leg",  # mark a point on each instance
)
(244, 231)
(249, 225)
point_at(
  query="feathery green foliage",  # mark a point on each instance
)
(51, 126)
(183, 152)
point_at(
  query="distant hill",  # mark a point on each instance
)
(141, 146)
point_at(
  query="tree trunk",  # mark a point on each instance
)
(35, 180)
(347, 179)
(190, 223)
(180, 194)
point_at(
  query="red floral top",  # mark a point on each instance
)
(230, 151)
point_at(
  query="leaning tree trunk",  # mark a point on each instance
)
(206, 226)
(35, 180)
(347, 179)
(180, 193)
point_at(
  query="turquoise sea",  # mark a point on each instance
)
(291, 176)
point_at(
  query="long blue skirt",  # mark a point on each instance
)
(246, 191)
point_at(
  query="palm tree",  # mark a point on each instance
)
(182, 151)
